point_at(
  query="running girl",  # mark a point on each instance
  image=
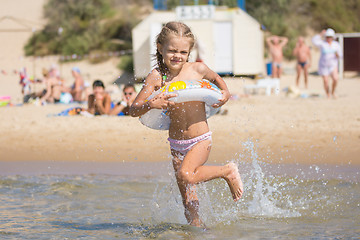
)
(189, 135)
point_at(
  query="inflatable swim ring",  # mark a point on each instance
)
(190, 90)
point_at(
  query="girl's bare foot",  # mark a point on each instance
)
(234, 181)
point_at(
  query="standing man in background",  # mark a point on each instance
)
(303, 57)
(276, 45)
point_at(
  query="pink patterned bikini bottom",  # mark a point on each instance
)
(184, 146)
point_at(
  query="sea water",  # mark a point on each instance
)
(141, 201)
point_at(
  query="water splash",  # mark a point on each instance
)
(290, 193)
(267, 197)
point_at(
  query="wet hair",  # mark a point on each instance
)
(130, 85)
(98, 83)
(178, 29)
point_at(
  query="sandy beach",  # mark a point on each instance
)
(71, 177)
(283, 130)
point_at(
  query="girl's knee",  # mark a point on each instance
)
(186, 176)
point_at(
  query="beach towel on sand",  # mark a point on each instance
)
(71, 111)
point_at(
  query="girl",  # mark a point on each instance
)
(189, 135)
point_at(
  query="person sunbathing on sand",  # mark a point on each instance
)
(99, 102)
(122, 107)
(54, 87)
(189, 135)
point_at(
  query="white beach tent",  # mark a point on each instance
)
(231, 40)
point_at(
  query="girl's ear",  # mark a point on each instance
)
(159, 48)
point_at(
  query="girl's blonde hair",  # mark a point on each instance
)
(178, 29)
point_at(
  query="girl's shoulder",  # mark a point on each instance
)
(154, 73)
(199, 67)
(154, 78)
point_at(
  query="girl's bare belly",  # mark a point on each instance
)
(188, 120)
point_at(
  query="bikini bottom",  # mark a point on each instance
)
(184, 146)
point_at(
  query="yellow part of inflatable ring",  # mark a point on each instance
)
(186, 91)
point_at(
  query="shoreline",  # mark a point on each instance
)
(163, 171)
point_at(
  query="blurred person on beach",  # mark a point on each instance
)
(79, 87)
(24, 82)
(329, 59)
(276, 45)
(303, 57)
(99, 102)
(122, 108)
(189, 134)
(54, 86)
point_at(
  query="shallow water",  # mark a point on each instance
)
(142, 201)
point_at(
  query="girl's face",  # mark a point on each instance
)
(175, 52)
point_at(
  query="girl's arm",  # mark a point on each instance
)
(217, 80)
(140, 106)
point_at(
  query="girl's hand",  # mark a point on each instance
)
(223, 100)
(161, 101)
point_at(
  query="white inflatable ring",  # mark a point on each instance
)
(189, 90)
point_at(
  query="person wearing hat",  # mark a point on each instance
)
(329, 59)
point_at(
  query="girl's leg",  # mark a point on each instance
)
(189, 196)
(193, 171)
